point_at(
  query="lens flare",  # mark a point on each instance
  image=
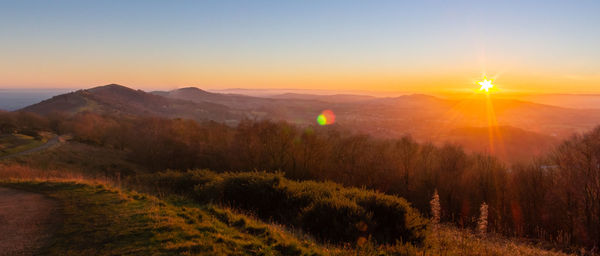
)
(321, 119)
(326, 117)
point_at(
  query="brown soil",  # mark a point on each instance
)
(27, 222)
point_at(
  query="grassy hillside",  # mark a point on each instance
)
(92, 161)
(106, 221)
(116, 99)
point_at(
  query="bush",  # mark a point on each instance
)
(260, 194)
(325, 210)
(176, 182)
(335, 220)
(392, 217)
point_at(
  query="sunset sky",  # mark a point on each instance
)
(406, 46)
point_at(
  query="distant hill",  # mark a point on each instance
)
(13, 99)
(197, 95)
(117, 99)
(424, 117)
(581, 101)
(327, 98)
(508, 143)
(300, 111)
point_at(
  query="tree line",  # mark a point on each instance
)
(555, 198)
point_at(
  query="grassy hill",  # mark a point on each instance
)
(107, 221)
(102, 219)
(117, 99)
(425, 118)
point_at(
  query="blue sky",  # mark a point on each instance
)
(381, 45)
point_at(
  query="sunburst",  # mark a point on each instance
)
(486, 85)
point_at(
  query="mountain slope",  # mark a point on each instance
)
(117, 99)
(301, 111)
(424, 117)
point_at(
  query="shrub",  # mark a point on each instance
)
(334, 220)
(173, 181)
(392, 217)
(325, 210)
(260, 194)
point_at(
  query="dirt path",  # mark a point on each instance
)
(48, 144)
(27, 221)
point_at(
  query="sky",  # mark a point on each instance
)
(385, 46)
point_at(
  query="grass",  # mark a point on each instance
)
(448, 240)
(100, 220)
(15, 143)
(327, 211)
(81, 158)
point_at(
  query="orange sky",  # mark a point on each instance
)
(390, 46)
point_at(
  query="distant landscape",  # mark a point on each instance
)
(524, 129)
(13, 99)
(120, 134)
(300, 128)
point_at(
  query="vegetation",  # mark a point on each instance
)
(450, 240)
(106, 221)
(93, 161)
(103, 220)
(554, 198)
(14, 143)
(327, 211)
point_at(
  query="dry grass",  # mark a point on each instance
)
(453, 241)
(23, 172)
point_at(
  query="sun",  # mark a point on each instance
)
(486, 85)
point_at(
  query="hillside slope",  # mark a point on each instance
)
(117, 99)
(102, 220)
(425, 118)
(106, 221)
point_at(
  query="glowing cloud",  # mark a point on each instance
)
(326, 117)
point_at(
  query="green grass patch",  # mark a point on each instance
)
(15, 143)
(104, 221)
